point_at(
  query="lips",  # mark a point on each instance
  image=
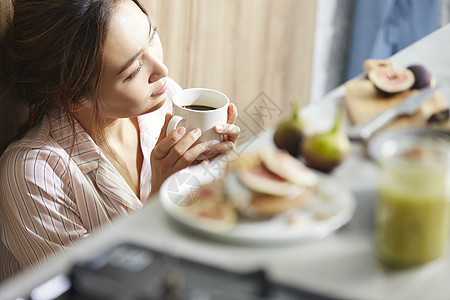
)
(161, 91)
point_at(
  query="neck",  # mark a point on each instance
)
(109, 131)
(119, 140)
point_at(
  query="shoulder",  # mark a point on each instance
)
(30, 172)
(23, 166)
(35, 153)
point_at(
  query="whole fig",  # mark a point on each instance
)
(289, 132)
(423, 77)
(327, 150)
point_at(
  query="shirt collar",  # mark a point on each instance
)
(85, 153)
(81, 147)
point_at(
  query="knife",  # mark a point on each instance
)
(406, 107)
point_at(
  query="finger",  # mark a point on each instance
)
(163, 147)
(232, 114)
(230, 132)
(162, 134)
(221, 148)
(191, 155)
(179, 149)
(203, 163)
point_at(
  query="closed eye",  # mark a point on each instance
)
(135, 73)
(139, 68)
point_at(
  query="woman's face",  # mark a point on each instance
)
(133, 79)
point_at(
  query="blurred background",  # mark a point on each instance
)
(267, 53)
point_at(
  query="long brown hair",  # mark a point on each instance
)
(52, 54)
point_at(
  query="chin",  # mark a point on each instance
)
(158, 105)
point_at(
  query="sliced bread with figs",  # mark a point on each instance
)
(208, 207)
(255, 186)
(263, 185)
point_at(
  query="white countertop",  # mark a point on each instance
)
(342, 265)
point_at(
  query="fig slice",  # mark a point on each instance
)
(254, 205)
(209, 208)
(261, 180)
(256, 192)
(392, 80)
(289, 168)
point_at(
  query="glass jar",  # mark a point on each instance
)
(412, 213)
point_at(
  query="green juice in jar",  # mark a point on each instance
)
(412, 228)
(412, 216)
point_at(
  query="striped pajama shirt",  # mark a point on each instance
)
(52, 196)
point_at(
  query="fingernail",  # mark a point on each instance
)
(197, 131)
(181, 131)
(219, 128)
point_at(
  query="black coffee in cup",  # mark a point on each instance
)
(199, 107)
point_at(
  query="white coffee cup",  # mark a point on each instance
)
(186, 113)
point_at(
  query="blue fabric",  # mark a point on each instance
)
(383, 27)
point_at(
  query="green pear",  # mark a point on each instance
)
(325, 151)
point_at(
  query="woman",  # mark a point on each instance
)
(95, 146)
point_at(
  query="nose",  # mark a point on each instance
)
(158, 70)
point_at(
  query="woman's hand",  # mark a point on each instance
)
(229, 131)
(174, 152)
(178, 150)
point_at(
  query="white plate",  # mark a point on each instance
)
(332, 200)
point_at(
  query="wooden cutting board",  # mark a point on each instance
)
(363, 102)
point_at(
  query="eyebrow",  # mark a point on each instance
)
(131, 60)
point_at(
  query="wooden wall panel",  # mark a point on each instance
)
(240, 47)
(172, 19)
